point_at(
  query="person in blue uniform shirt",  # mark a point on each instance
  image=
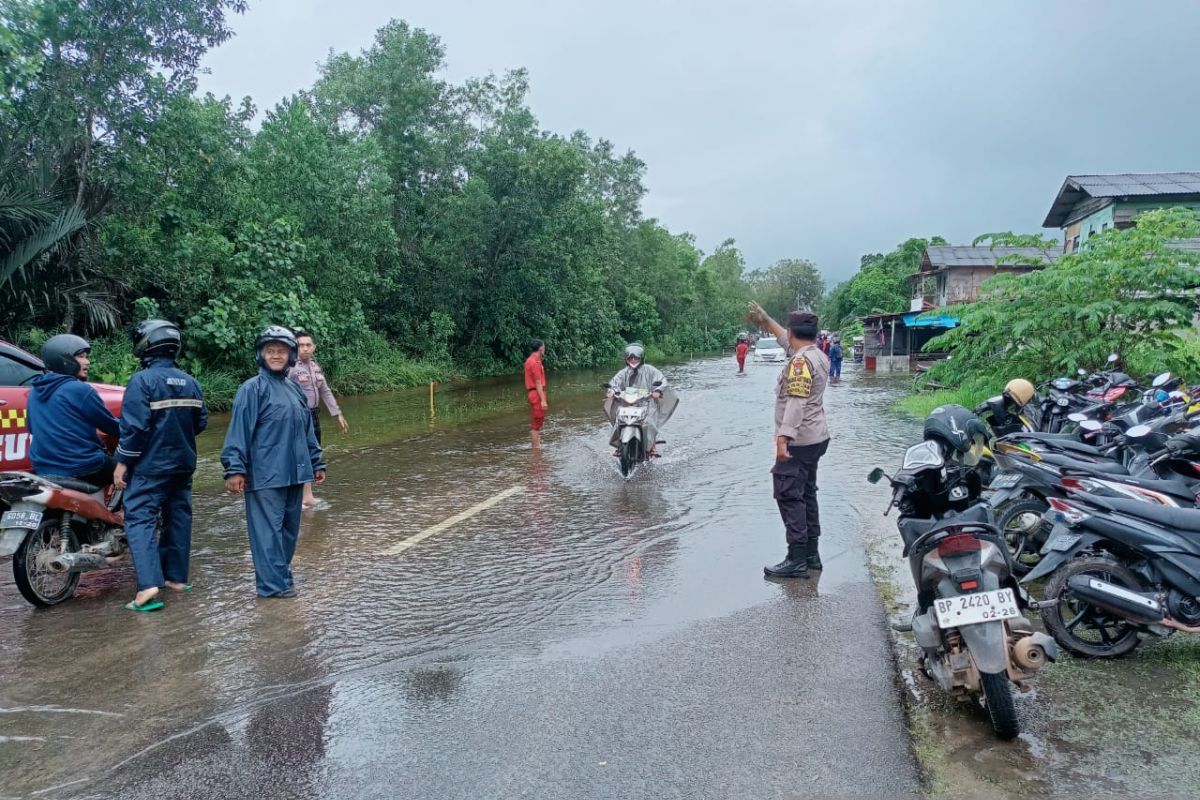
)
(270, 452)
(65, 411)
(161, 414)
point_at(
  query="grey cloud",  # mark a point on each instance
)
(801, 129)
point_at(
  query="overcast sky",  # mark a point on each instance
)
(819, 130)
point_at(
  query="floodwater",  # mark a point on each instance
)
(583, 636)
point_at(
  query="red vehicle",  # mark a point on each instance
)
(54, 528)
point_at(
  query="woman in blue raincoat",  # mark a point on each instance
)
(270, 452)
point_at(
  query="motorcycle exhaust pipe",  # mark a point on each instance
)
(1117, 600)
(77, 562)
(1032, 652)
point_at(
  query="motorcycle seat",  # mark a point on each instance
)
(72, 483)
(1187, 519)
(1058, 442)
(1099, 467)
(1177, 486)
(1049, 437)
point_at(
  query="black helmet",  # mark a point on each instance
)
(156, 337)
(277, 333)
(961, 434)
(635, 349)
(58, 353)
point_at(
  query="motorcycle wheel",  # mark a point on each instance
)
(998, 701)
(36, 582)
(628, 457)
(1081, 628)
(1020, 520)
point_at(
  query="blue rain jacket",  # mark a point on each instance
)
(64, 414)
(161, 414)
(271, 439)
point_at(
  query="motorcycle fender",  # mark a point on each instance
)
(629, 432)
(988, 643)
(12, 540)
(1056, 558)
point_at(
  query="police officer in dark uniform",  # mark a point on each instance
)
(801, 438)
(161, 414)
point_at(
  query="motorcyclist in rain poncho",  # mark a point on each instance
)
(639, 374)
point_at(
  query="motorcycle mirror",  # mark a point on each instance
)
(1138, 431)
(875, 476)
(1161, 379)
(1113, 358)
(1077, 417)
(656, 384)
(1091, 425)
(1081, 372)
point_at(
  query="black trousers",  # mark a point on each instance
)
(316, 414)
(796, 492)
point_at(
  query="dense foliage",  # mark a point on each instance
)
(792, 283)
(881, 285)
(400, 217)
(1130, 291)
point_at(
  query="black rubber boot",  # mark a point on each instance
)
(812, 556)
(794, 566)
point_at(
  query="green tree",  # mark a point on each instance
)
(881, 285)
(788, 285)
(1128, 291)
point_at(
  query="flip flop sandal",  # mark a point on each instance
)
(187, 587)
(150, 605)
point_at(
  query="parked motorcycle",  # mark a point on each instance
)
(1118, 570)
(56, 529)
(975, 642)
(628, 411)
(1031, 467)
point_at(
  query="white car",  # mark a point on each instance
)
(768, 351)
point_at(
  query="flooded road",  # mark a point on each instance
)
(583, 636)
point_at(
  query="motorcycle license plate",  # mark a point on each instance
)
(1061, 542)
(972, 609)
(1005, 481)
(21, 519)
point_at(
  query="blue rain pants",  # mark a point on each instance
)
(273, 519)
(165, 556)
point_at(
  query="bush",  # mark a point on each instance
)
(374, 365)
(112, 360)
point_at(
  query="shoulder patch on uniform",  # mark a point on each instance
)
(799, 378)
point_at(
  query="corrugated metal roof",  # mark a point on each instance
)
(1138, 183)
(943, 256)
(1127, 184)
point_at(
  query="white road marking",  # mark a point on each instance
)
(415, 539)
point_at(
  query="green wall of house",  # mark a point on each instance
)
(1104, 218)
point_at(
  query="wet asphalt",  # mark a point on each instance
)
(586, 637)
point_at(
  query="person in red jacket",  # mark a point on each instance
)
(742, 347)
(535, 388)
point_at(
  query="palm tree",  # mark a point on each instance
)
(32, 229)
